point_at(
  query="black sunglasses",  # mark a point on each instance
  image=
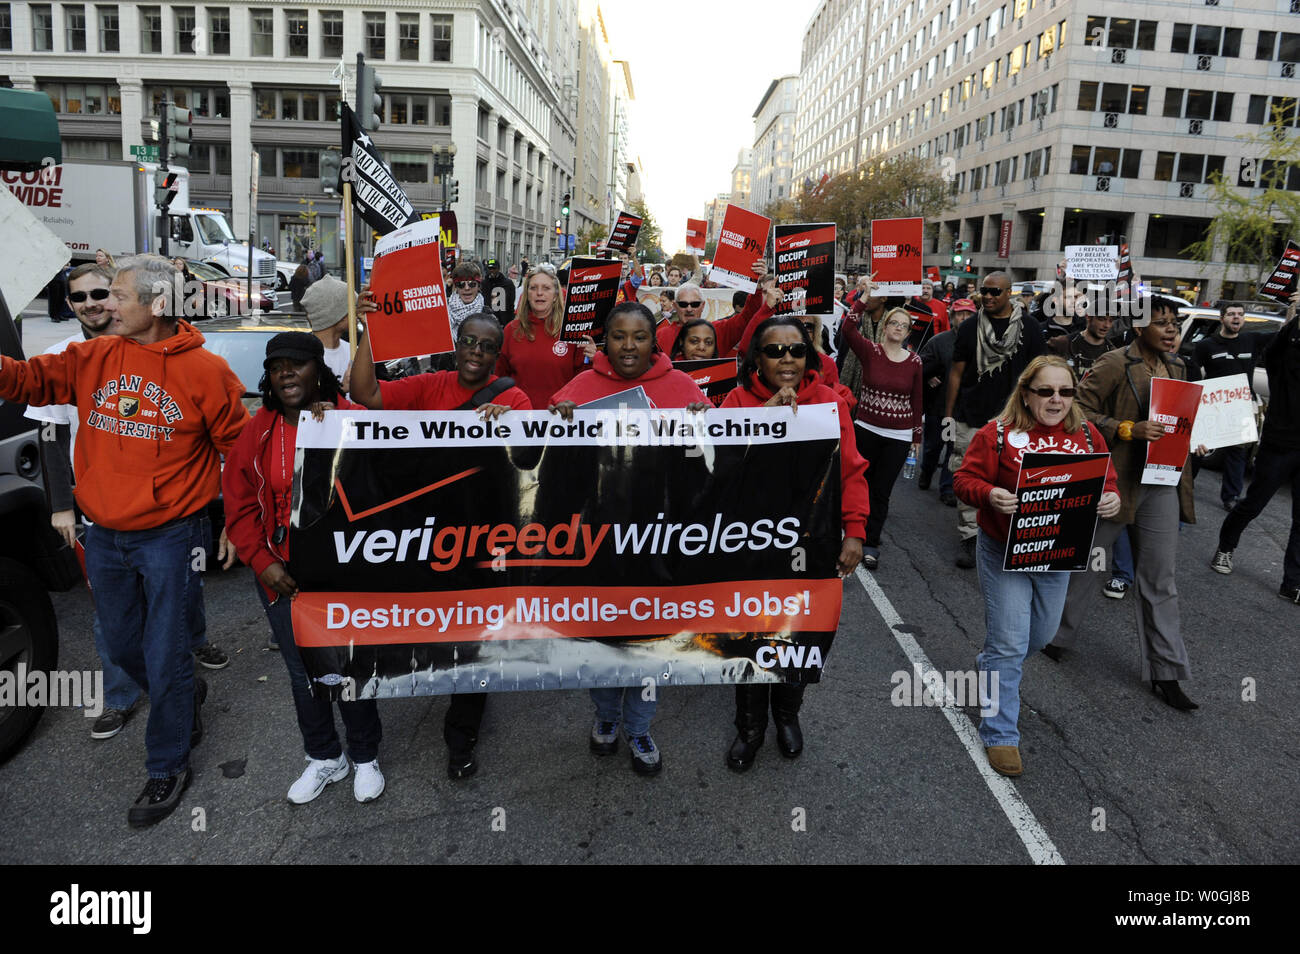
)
(99, 294)
(995, 292)
(1046, 392)
(689, 304)
(486, 345)
(777, 351)
(467, 284)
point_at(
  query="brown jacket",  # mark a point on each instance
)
(1118, 388)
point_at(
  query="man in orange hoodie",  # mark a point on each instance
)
(156, 411)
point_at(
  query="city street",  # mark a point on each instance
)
(1112, 775)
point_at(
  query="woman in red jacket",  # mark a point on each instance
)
(533, 353)
(1021, 609)
(257, 487)
(774, 372)
(631, 358)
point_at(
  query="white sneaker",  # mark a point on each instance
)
(368, 783)
(318, 774)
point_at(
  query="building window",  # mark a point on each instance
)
(311, 107)
(266, 104)
(109, 39)
(331, 33)
(409, 166)
(263, 31)
(441, 37)
(296, 24)
(1198, 104)
(43, 27)
(408, 36)
(375, 35)
(300, 163)
(219, 30)
(74, 28)
(6, 28)
(150, 29)
(1261, 109)
(92, 99)
(1187, 167)
(1206, 40)
(1123, 33)
(185, 24)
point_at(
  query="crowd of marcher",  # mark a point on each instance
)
(945, 382)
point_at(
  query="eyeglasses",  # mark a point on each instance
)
(1046, 392)
(470, 284)
(546, 267)
(991, 292)
(689, 304)
(1167, 323)
(776, 351)
(486, 345)
(98, 294)
(898, 324)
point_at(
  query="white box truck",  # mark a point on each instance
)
(92, 204)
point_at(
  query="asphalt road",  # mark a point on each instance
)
(1112, 774)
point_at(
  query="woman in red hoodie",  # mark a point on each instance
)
(775, 371)
(257, 487)
(631, 359)
(533, 352)
(1021, 609)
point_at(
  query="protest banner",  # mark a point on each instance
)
(717, 301)
(651, 545)
(589, 296)
(697, 233)
(741, 241)
(1226, 415)
(1173, 404)
(622, 237)
(1056, 511)
(1282, 283)
(805, 268)
(407, 283)
(716, 377)
(1124, 267)
(896, 248)
(1092, 263)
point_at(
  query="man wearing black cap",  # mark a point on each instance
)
(498, 292)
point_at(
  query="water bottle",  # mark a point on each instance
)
(909, 466)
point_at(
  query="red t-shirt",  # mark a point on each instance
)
(442, 391)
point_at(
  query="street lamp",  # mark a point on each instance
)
(444, 164)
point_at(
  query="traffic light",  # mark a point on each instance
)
(559, 229)
(564, 206)
(330, 162)
(179, 132)
(970, 269)
(164, 188)
(956, 252)
(453, 191)
(369, 103)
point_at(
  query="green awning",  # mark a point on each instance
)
(31, 136)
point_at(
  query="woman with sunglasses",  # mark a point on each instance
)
(777, 371)
(257, 490)
(533, 352)
(888, 415)
(1021, 609)
(466, 280)
(631, 358)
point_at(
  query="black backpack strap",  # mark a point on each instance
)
(1087, 435)
(487, 394)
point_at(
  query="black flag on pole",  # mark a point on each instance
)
(375, 192)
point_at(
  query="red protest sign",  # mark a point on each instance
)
(697, 233)
(622, 238)
(740, 244)
(896, 246)
(407, 283)
(1173, 404)
(589, 296)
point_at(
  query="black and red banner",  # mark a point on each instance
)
(716, 377)
(589, 297)
(1056, 511)
(622, 237)
(805, 268)
(1282, 283)
(436, 552)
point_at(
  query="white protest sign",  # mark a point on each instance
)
(1092, 263)
(30, 254)
(1226, 416)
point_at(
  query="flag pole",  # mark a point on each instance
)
(351, 273)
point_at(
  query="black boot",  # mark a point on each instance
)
(751, 726)
(786, 701)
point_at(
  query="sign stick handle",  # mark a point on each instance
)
(352, 276)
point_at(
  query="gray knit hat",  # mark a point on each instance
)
(326, 302)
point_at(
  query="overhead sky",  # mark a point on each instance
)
(699, 69)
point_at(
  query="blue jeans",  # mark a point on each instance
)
(624, 704)
(1121, 558)
(315, 712)
(144, 582)
(1021, 614)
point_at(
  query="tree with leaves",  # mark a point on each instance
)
(1252, 223)
(649, 240)
(595, 232)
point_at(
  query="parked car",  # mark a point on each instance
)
(223, 295)
(242, 342)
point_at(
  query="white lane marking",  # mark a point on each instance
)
(1033, 835)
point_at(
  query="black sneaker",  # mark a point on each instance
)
(200, 694)
(158, 800)
(966, 555)
(211, 657)
(949, 499)
(923, 482)
(461, 765)
(1291, 593)
(110, 723)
